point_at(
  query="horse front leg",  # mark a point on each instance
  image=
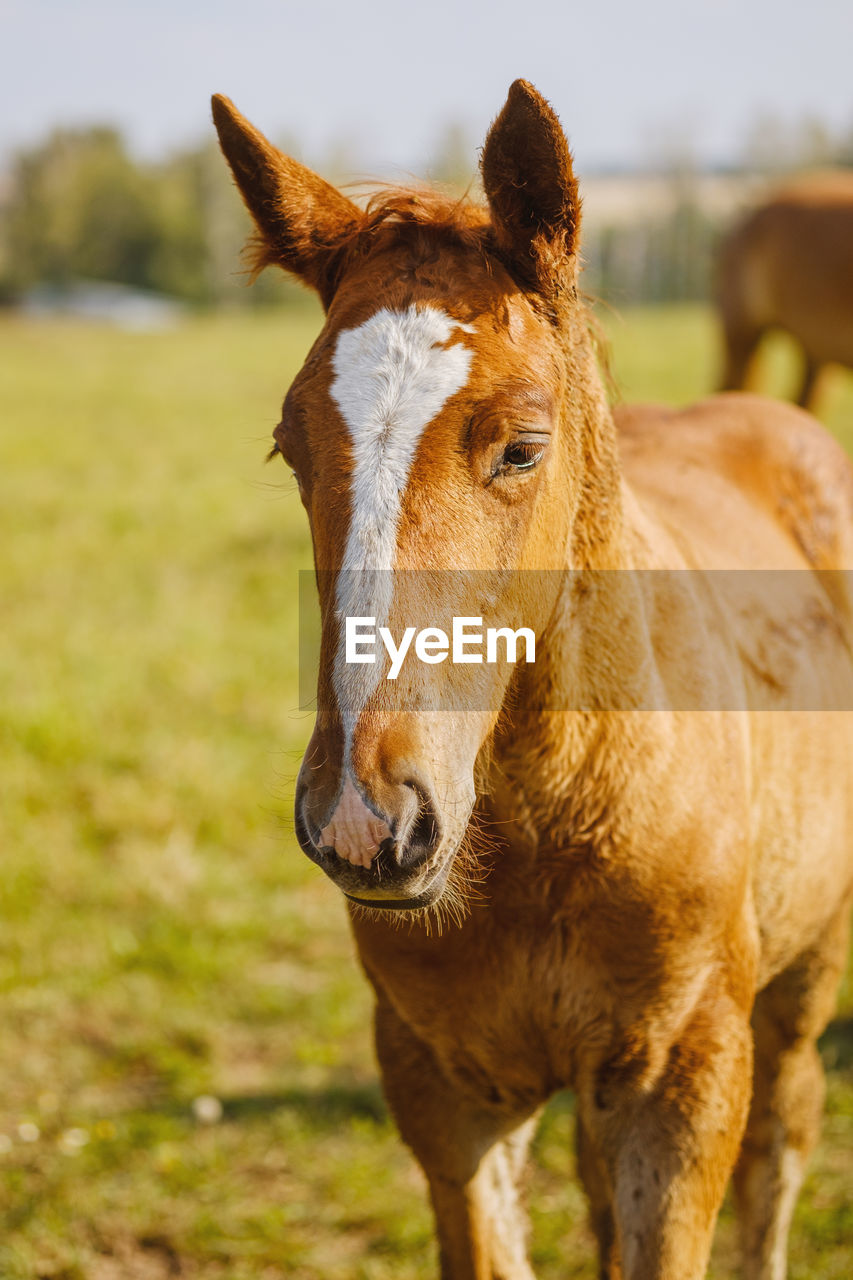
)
(472, 1157)
(787, 1102)
(667, 1145)
(594, 1176)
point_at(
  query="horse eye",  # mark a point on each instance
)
(521, 455)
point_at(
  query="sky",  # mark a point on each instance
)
(632, 82)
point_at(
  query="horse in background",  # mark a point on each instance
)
(660, 920)
(789, 265)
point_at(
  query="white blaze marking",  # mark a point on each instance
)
(393, 374)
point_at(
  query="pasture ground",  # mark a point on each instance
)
(162, 938)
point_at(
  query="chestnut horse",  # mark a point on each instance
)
(659, 923)
(789, 265)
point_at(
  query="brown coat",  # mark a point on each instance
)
(789, 265)
(653, 913)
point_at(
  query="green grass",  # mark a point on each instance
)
(162, 937)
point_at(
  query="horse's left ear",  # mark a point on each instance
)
(532, 192)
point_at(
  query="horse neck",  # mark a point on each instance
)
(557, 746)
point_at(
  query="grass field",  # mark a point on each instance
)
(163, 941)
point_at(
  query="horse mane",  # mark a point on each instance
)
(411, 216)
(457, 218)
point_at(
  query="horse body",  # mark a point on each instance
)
(659, 920)
(650, 843)
(789, 265)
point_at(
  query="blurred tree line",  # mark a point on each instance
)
(667, 250)
(665, 258)
(78, 206)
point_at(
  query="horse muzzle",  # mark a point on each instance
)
(394, 858)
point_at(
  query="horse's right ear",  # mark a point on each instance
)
(302, 220)
(532, 192)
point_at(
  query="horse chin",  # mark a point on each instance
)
(428, 897)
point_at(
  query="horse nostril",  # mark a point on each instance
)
(424, 831)
(308, 835)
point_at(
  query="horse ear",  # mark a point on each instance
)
(532, 192)
(303, 222)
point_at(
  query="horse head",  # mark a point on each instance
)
(442, 425)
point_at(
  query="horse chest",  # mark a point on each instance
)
(509, 1020)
